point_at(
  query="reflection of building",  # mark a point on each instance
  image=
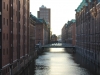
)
(45, 13)
(53, 38)
(14, 35)
(88, 30)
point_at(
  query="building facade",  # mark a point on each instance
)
(87, 30)
(53, 38)
(63, 34)
(14, 35)
(42, 32)
(32, 36)
(45, 13)
(71, 32)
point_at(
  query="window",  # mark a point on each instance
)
(4, 36)
(4, 5)
(7, 36)
(16, 13)
(7, 22)
(4, 21)
(7, 7)
(3, 51)
(7, 50)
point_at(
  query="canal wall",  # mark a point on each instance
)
(92, 56)
(18, 66)
(26, 62)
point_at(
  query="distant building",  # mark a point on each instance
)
(42, 32)
(71, 32)
(59, 38)
(53, 38)
(45, 13)
(63, 34)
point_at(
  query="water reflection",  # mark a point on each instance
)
(56, 61)
(58, 50)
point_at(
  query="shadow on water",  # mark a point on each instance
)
(85, 63)
(49, 63)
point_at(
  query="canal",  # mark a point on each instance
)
(59, 61)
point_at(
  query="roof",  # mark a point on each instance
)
(38, 20)
(70, 22)
(33, 17)
(42, 6)
(82, 4)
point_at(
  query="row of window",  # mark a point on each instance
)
(21, 26)
(16, 13)
(6, 52)
(4, 6)
(5, 21)
(5, 36)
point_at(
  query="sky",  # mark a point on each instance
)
(61, 11)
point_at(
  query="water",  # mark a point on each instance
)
(56, 61)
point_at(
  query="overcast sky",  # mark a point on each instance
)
(61, 11)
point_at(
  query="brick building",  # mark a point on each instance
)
(71, 32)
(53, 38)
(87, 30)
(32, 35)
(45, 13)
(63, 33)
(14, 35)
(42, 32)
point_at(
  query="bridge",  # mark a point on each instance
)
(58, 45)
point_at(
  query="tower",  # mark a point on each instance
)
(45, 13)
